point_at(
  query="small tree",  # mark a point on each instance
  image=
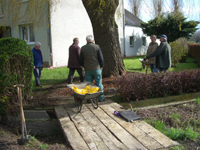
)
(176, 52)
(184, 43)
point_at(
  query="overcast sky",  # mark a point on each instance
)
(191, 13)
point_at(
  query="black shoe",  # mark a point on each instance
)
(89, 100)
(102, 100)
(39, 85)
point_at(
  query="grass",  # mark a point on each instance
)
(198, 100)
(177, 134)
(132, 64)
(52, 76)
(33, 142)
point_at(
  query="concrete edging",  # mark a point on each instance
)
(163, 101)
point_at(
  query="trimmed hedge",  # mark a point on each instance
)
(16, 68)
(137, 86)
(194, 51)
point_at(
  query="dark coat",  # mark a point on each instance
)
(91, 57)
(37, 57)
(163, 55)
(74, 54)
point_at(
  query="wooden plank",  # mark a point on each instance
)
(116, 129)
(93, 141)
(158, 136)
(142, 136)
(69, 130)
(109, 139)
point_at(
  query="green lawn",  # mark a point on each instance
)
(53, 76)
(134, 65)
(57, 75)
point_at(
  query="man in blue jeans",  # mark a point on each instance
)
(37, 62)
(91, 59)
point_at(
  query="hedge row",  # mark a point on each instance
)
(16, 68)
(137, 86)
(194, 51)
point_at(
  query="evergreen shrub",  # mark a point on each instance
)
(138, 86)
(176, 52)
(16, 68)
(184, 43)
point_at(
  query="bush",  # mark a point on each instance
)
(184, 43)
(194, 51)
(176, 52)
(16, 68)
(137, 86)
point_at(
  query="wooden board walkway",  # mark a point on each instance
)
(100, 129)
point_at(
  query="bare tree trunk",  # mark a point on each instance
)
(106, 35)
(135, 6)
(158, 7)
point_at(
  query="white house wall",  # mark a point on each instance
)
(69, 20)
(138, 48)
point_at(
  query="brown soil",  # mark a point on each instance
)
(60, 94)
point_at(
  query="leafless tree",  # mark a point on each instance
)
(195, 37)
(176, 6)
(135, 6)
(158, 7)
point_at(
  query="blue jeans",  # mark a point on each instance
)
(153, 68)
(97, 75)
(37, 74)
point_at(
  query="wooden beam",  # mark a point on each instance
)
(148, 129)
(69, 130)
(93, 141)
(142, 136)
(108, 138)
(120, 133)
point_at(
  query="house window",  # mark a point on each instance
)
(144, 41)
(27, 33)
(131, 40)
(5, 32)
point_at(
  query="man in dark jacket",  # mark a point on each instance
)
(38, 63)
(74, 61)
(162, 54)
(92, 60)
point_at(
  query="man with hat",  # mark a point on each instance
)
(162, 54)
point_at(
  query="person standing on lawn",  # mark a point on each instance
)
(162, 54)
(92, 60)
(74, 61)
(152, 47)
(38, 63)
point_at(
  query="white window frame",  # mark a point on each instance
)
(28, 31)
(131, 41)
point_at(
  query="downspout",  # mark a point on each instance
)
(123, 14)
(50, 39)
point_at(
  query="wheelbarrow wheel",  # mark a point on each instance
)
(79, 103)
(95, 102)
